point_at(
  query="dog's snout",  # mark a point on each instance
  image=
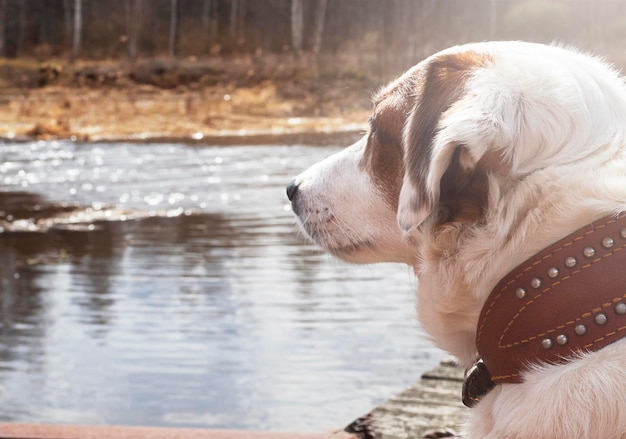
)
(292, 190)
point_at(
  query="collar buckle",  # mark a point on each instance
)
(476, 383)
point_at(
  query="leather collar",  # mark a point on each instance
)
(567, 299)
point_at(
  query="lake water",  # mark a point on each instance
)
(167, 285)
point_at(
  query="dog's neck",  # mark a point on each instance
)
(568, 298)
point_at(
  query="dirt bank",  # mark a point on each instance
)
(186, 100)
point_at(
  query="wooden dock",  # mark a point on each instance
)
(47, 431)
(432, 403)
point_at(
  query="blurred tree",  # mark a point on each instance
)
(22, 28)
(78, 28)
(3, 17)
(234, 13)
(134, 10)
(173, 27)
(241, 22)
(213, 22)
(67, 21)
(206, 14)
(390, 33)
(209, 20)
(320, 16)
(297, 24)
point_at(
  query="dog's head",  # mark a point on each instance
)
(474, 161)
(447, 144)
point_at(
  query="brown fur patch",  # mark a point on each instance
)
(442, 84)
(463, 193)
(383, 157)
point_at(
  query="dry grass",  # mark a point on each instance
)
(101, 101)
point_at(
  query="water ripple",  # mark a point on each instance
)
(167, 285)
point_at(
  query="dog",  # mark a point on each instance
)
(481, 163)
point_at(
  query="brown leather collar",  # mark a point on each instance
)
(569, 298)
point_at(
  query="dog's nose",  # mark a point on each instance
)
(292, 190)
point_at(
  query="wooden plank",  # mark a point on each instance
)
(433, 402)
(48, 431)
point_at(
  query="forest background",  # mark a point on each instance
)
(207, 69)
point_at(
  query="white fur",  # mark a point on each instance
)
(557, 120)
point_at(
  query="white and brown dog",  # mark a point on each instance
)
(498, 172)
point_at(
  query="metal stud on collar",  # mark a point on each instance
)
(553, 272)
(622, 233)
(535, 282)
(561, 339)
(620, 308)
(589, 252)
(608, 242)
(547, 343)
(570, 262)
(580, 329)
(520, 293)
(600, 319)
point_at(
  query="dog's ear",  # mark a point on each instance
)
(444, 177)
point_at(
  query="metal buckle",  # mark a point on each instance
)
(476, 383)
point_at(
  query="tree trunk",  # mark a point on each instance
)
(78, 28)
(241, 24)
(206, 22)
(206, 16)
(152, 27)
(297, 24)
(22, 29)
(234, 12)
(173, 27)
(129, 25)
(213, 23)
(67, 22)
(134, 9)
(320, 16)
(3, 17)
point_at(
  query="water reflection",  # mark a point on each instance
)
(216, 316)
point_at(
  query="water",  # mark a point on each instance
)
(166, 285)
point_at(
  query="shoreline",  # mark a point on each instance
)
(342, 136)
(286, 101)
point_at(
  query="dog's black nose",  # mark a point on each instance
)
(292, 190)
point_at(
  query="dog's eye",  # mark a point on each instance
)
(372, 133)
(382, 136)
(373, 126)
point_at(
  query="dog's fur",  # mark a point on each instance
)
(476, 159)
